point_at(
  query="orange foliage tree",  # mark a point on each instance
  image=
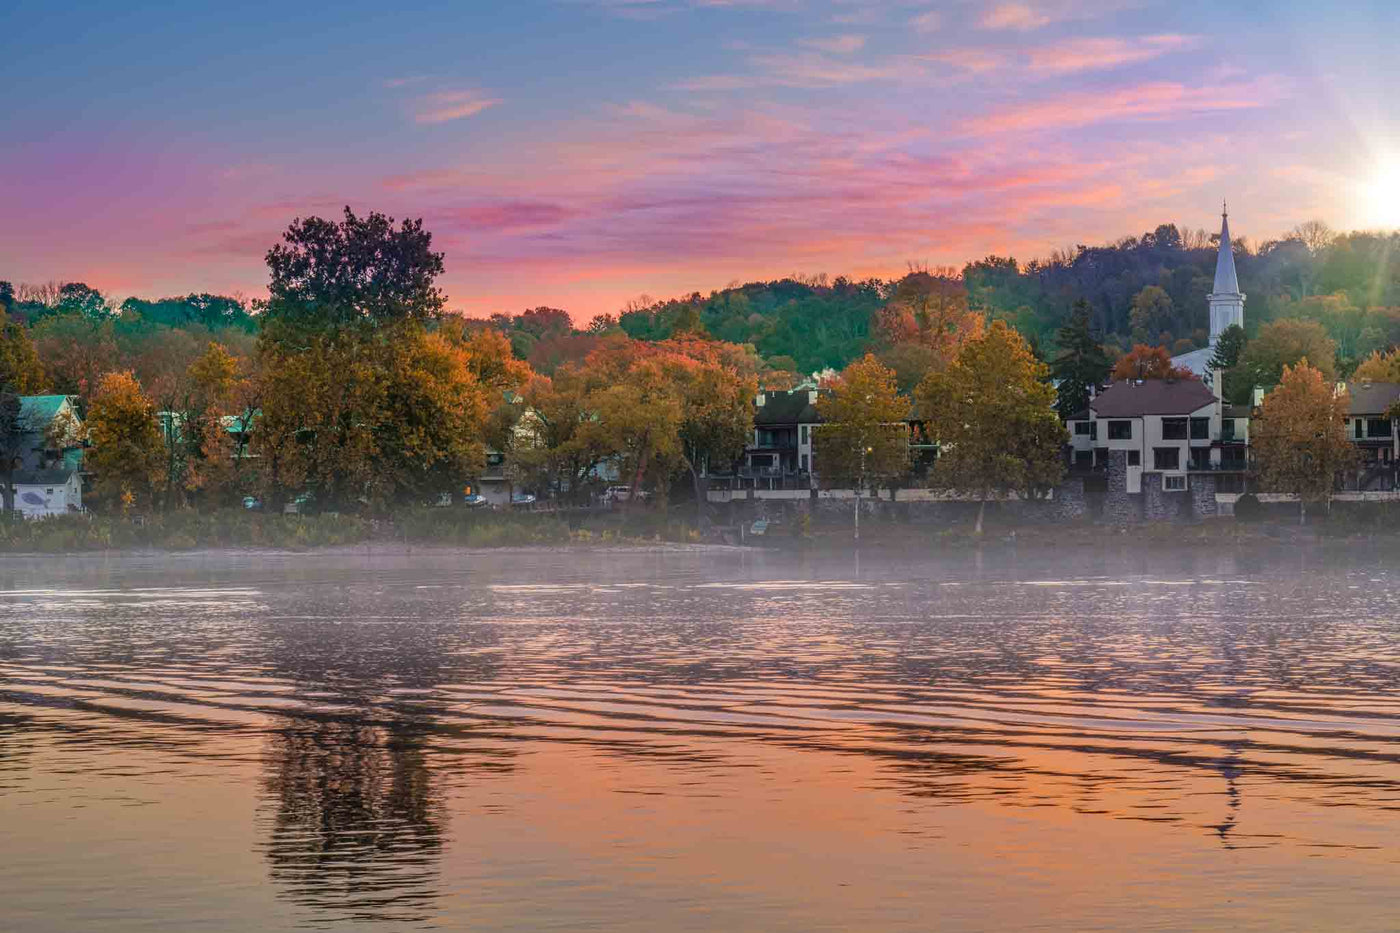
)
(1144, 362)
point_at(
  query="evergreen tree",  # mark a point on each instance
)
(1081, 363)
(1228, 349)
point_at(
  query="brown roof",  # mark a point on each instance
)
(1133, 399)
(1372, 398)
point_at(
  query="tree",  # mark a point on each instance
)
(1081, 363)
(430, 428)
(126, 456)
(925, 323)
(1144, 362)
(716, 415)
(20, 367)
(77, 298)
(1229, 347)
(1379, 367)
(76, 351)
(1280, 344)
(1300, 438)
(360, 271)
(992, 414)
(14, 432)
(863, 439)
(1152, 313)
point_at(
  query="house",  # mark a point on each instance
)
(39, 493)
(48, 468)
(784, 424)
(1158, 426)
(1371, 427)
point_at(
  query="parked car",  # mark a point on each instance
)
(252, 503)
(622, 494)
(475, 501)
(300, 504)
(522, 498)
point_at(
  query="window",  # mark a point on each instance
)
(1134, 458)
(1174, 482)
(803, 430)
(1378, 427)
(1227, 429)
(804, 463)
(1174, 429)
(1120, 430)
(1200, 429)
(1166, 458)
(1081, 428)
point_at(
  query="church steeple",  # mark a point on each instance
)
(1225, 281)
(1226, 300)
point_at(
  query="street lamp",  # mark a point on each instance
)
(860, 484)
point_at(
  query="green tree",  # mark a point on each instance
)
(992, 414)
(1081, 363)
(360, 271)
(1229, 348)
(1300, 438)
(14, 434)
(863, 440)
(1152, 313)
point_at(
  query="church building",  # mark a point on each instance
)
(1226, 306)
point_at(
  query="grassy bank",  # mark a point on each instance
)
(240, 528)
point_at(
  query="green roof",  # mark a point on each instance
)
(40, 408)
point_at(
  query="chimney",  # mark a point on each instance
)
(811, 396)
(761, 399)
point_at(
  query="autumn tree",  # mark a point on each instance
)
(126, 458)
(924, 324)
(20, 368)
(76, 350)
(555, 442)
(1379, 367)
(1299, 439)
(863, 440)
(1144, 362)
(1284, 343)
(991, 413)
(1081, 363)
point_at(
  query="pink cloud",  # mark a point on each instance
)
(1096, 54)
(445, 106)
(836, 45)
(1143, 101)
(1020, 16)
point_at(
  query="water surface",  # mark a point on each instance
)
(707, 740)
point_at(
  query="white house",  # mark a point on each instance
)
(39, 493)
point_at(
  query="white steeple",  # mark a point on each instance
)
(1226, 300)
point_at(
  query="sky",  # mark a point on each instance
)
(583, 153)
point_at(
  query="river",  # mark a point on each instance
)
(700, 740)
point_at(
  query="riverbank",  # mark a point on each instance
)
(236, 528)
(233, 528)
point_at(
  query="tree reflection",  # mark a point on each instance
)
(358, 827)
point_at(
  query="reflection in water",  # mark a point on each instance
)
(357, 828)
(433, 733)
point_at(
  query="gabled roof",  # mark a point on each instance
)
(1083, 414)
(1238, 411)
(1225, 281)
(794, 407)
(39, 410)
(42, 477)
(1135, 398)
(1372, 398)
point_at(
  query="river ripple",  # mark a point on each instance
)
(699, 741)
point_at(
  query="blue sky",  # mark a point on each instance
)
(582, 153)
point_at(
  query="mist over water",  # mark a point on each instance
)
(700, 740)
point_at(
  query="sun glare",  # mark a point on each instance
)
(1383, 197)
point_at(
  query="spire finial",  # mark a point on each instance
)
(1224, 208)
